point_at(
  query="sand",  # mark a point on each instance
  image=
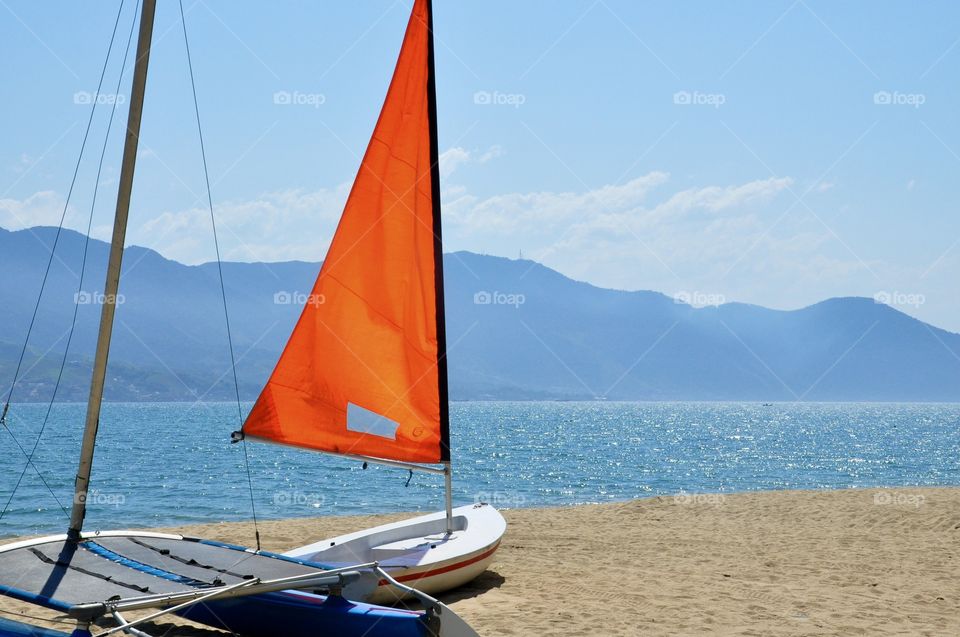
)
(853, 562)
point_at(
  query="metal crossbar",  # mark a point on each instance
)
(242, 589)
(125, 626)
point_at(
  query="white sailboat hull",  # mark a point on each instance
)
(417, 552)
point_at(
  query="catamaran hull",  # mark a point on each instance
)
(247, 592)
(297, 614)
(16, 629)
(290, 613)
(416, 552)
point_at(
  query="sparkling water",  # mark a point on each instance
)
(171, 463)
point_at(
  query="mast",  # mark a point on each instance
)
(112, 284)
(438, 270)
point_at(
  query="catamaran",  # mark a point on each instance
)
(363, 375)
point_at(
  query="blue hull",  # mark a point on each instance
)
(291, 614)
(297, 614)
(16, 629)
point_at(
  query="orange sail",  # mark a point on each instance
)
(364, 371)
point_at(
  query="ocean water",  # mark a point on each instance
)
(171, 463)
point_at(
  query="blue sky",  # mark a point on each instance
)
(775, 153)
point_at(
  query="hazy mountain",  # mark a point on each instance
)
(516, 330)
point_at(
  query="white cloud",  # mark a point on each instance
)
(734, 240)
(39, 209)
(518, 212)
(277, 226)
(697, 230)
(745, 241)
(597, 235)
(492, 153)
(454, 158)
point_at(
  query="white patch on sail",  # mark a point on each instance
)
(370, 422)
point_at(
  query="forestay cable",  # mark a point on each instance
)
(223, 291)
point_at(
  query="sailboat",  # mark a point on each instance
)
(364, 373)
(366, 378)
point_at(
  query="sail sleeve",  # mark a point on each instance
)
(364, 370)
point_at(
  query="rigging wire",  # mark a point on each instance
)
(83, 266)
(223, 291)
(63, 215)
(76, 170)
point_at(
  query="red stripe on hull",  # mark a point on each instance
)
(444, 569)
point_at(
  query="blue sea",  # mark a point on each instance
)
(172, 463)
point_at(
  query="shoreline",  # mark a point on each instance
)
(871, 561)
(381, 517)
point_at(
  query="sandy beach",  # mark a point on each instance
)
(853, 562)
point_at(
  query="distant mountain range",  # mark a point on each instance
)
(516, 330)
